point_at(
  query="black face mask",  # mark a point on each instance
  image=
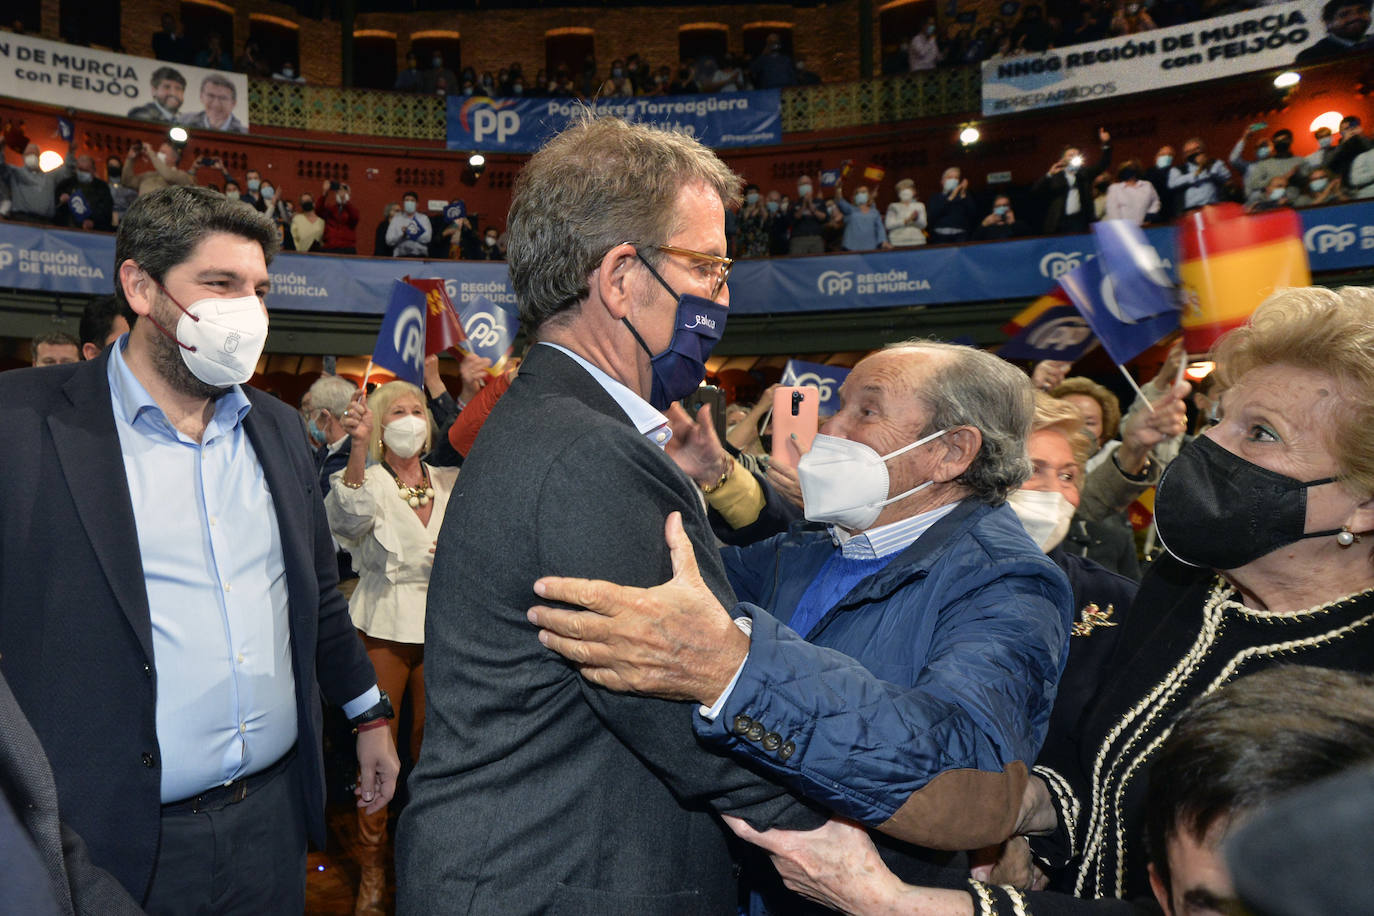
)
(1129, 174)
(307, 205)
(1216, 510)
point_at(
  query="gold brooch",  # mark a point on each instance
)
(1092, 617)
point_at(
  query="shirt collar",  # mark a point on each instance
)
(888, 539)
(131, 400)
(650, 423)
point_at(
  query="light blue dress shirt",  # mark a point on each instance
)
(216, 582)
(651, 424)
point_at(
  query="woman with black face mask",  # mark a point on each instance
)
(1263, 518)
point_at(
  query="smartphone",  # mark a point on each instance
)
(796, 417)
(708, 394)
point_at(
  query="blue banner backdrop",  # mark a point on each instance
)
(523, 125)
(65, 261)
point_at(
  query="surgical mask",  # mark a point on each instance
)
(409, 206)
(287, 72)
(1001, 210)
(1263, 152)
(83, 176)
(949, 184)
(1045, 514)
(405, 436)
(751, 198)
(1317, 184)
(772, 206)
(678, 370)
(436, 62)
(845, 483)
(1214, 509)
(254, 184)
(267, 192)
(1324, 142)
(220, 339)
(803, 189)
(491, 240)
(1164, 162)
(31, 160)
(906, 195)
(1278, 193)
(517, 89)
(316, 434)
(861, 198)
(162, 157)
(617, 73)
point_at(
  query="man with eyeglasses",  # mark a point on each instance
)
(534, 792)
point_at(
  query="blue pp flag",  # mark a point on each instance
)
(65, 128)
(1058, 332)
(827, 378)
(455, 211)
(413, 229)
(1123, 337)
(401, 341)
(830, 178)
(76, 203)
(490, 330)
(1140, 281)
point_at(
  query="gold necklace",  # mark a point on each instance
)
(415, 496)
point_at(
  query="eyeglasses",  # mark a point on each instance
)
(712, 266)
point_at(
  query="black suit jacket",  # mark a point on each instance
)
(1055, 189)
(75, 631)
(47, 869)
(535, 791)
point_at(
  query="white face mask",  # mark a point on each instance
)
(1045, 514)
(222, 339)
(31, 160)
(906, 195)
(405, 436)
(845, 483)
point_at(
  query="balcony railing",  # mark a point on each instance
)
(370, 112)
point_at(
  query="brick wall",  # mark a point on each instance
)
(826, 36)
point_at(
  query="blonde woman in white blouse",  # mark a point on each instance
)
(388, 515)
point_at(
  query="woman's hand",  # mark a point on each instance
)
(357, 420)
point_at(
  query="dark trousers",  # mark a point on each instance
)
(247, 857)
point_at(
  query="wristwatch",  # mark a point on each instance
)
(380, 710)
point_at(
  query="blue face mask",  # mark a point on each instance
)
(772, 206)
(678, 370)
(316, 434)
(1164, 162)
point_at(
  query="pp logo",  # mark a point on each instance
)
(487, 121)
(1060, 334)
(231, 343)
(1324, 238)
(481, 329)
(6, 256)
(835, 282)
(815, 380)
(1057, 263)
(409, 336)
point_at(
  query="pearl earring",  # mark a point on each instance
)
(1346, 537)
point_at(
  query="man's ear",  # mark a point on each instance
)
(611, 281)
(961, 446)
(139, 289)
(1161, 891)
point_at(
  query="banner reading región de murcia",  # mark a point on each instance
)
(1276, 35)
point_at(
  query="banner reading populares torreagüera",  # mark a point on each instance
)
(524, 125)
(121, 84)
(1277, 35)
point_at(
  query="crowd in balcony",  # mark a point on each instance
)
(1265, 172)
(772, 68)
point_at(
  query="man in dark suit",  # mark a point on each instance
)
(47, 869)
(168, 610)
(535, 792)
(1067, 187)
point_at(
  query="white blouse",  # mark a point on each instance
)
(390, 548)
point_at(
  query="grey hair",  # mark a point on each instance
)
(598, 184)
(331, 393)
(161, 229)
(974, 388)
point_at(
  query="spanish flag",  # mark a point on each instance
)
(1026, 317)
(1229, 262)
(874, 174)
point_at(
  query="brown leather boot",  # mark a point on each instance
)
(371, 852)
